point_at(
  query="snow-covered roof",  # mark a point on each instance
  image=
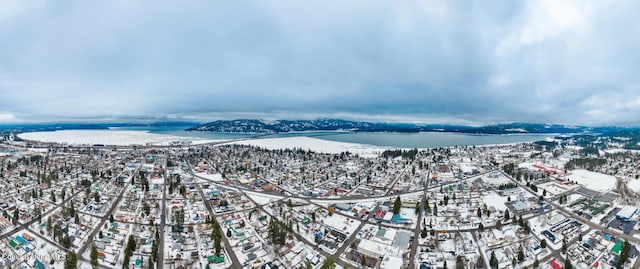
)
(391, 262)
(627, 212)
(376, 249)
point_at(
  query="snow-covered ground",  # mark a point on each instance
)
(593, 180)
(634, 184)
(109, 137)
(495, 200)
(262, 199)
(313, 144)
(213, 177)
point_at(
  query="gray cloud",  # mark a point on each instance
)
(482, 62)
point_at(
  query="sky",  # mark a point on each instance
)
(474, 62)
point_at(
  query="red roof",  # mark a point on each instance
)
(555, 265)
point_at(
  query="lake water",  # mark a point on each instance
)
(431, 140)
(403, 140)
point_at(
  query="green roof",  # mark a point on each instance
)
(305, 220)
(216, 259)
(617, 247)
(381, 232)
(13, 244)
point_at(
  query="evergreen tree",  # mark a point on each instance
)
(94, 256)
(520, 254)
(567, 264)
(49, 225)
(536, 263)
(543, 243)
(71, 261)
(154, 251)
(493, 261)
(127, 259)
(506, 215)
(328, 264)
(66, 241)
(397, 204)
(424, 232)
(16, 216)
(426, 206)
(131, 243)
(216, 234)
(624, 254)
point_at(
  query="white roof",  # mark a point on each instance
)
(390, 234)
(627, 212)
(388, 216)
(378, 249)
(391, 262)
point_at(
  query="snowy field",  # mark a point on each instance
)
(262, 199)
(313, 144)
(109, 137)
(495, 200)
(593, 180)
(217, 177)
(634, 184)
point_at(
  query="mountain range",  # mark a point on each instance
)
(284, 126)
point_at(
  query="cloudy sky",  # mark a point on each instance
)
(571, 62)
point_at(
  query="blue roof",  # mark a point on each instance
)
(398, 219)
(38, 264)
(21, 240)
